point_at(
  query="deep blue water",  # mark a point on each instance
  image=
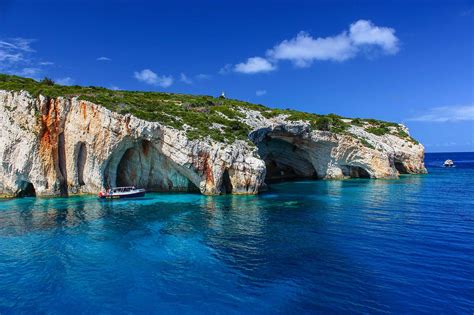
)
(361, 246)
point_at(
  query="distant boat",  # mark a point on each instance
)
(122, 192)
(448, 163)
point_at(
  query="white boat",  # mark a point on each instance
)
(448, 163)
(122, 192)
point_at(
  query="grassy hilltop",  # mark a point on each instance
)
(199, 112)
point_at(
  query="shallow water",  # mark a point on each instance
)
(372, 246)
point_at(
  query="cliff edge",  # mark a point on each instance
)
(58, 140)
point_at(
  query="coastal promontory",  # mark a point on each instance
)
(67, 140)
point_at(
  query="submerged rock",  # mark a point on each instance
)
(66, 146)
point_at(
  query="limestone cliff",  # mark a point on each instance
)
(66, 145)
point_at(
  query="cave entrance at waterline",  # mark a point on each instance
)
(285, 161)
(226, 183)
(400, 167)
(142, 165)
(354, 171)
(27, 190)
(129, 169)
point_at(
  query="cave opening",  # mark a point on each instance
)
(27, 190)
(354, 171)
(129, 168)
(142, 165)
(400, 167)
(226, 183)
(62, 165)
(285, 161)
(81, 162)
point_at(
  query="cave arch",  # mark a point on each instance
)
(141, 164)
(353, 171)
(400, 167)
(285, 160)
(81, 162)
(27, 189)
(227, 187)
(128, 169)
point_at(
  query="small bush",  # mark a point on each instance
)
(367, 144)
(47, 81)
(379, 131)
(322, 123)
(337, 125)
(357, 122)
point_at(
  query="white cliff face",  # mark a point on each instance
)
(336, 156)
(66, 146)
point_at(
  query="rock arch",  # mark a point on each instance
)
(140, 163)
(291, 154)
(285, 159)
(400, 166)
(353, 171)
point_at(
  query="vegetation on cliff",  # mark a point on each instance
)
(199, 115)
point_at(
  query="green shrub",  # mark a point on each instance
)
(357, 122)
(337, 125)
(367, 144)
(322, 123)
(47, 81)
(379, 131)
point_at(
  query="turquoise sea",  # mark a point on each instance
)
(355, 246)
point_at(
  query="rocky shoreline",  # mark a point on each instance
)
(65, 146)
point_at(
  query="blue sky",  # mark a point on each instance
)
(405, 61)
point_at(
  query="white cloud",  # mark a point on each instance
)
(447, 114)
(304, 49)
(46, 63)
(203, 76)
(14, 51)
(364, 32)
(27, 72)
(184, 78)
(103, 59)
(254, 65)
(17, 57)
(18, 44)
(149, 77)
(114, 87)
(165, 81)
(64, 81)
(226, 69)
(260, 92)
(9, 57)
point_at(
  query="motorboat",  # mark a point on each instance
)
(448, 163)
(122, 192)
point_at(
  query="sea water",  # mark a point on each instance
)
(362, 246)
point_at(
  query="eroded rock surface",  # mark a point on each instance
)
(65, 146)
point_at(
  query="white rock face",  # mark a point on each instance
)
(66, 146)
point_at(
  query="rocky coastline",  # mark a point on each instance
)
(62, 146)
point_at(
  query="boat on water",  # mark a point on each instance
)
(122, 192)
(448, 163)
